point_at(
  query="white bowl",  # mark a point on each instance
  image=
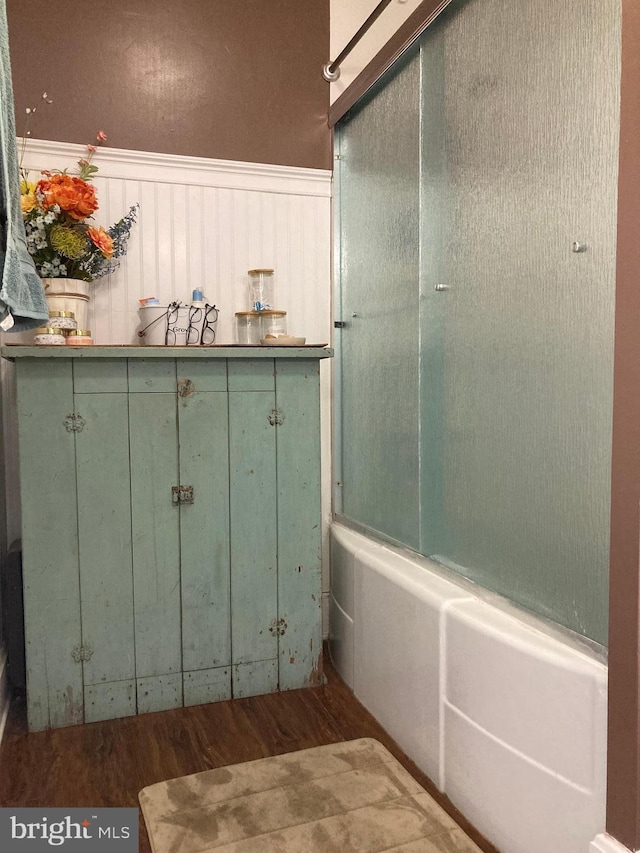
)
(283, 341)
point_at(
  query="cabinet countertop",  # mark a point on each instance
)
(13, 351)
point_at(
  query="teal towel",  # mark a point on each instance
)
(21, 295)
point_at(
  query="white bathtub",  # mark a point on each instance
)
(506, 717)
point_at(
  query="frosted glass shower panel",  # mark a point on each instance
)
(378, 199)
(520, 116)
(476, 233)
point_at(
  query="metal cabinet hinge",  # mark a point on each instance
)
(81, 653)
(74, 423)
(182, 495)
(276, 417)
(278, 627)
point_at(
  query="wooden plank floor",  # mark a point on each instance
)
(106, 764)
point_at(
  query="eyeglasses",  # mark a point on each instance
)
(194, 330)
(173, 331)
(200, 325)
(208, 335)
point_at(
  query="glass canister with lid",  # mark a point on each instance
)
(261, 289)
(273, 322)
(248, 327)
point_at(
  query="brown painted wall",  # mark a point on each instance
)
(236, 80)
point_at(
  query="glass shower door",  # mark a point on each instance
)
(378, 224)
(476, 225)
(517, 285)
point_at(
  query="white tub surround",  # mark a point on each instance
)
(344, 549)
(607, 844)
(398, 665)
(524, 732)
(506, 718)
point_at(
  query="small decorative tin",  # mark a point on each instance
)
(79, 338)
(48, 336)
(62, 320)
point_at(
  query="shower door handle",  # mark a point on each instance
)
(440, 287)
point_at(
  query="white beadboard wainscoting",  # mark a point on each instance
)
(202, 223)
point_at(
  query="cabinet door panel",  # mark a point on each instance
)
(204, 530)
(207, 685)
(98, 374)
(251, 374)
(159, 692)
(104, 534)
(49, 543)
(109, 701)
(156, 533)
(299, 514)
(255, 678)
(205, 375)
(254, 592)
(152, 375)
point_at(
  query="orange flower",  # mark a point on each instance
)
(102, 240)
(73, 195)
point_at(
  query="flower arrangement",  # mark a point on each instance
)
(61, 237)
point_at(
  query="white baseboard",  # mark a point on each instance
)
(4, 692)
(604, 843)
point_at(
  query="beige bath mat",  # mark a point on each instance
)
(351, 797)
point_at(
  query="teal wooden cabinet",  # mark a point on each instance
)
(170, 525)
